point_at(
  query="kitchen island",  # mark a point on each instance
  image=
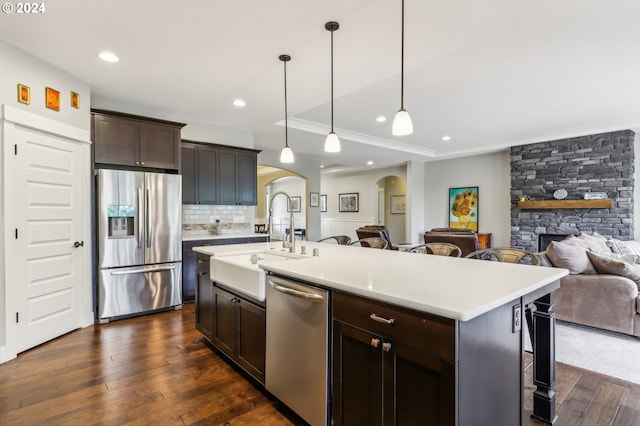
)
(457, 333)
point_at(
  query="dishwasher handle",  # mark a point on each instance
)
(281, 285)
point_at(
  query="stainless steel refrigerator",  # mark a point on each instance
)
(139, 218)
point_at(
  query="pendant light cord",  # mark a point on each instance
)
(332, 81)
(402, 61)
(286, 125)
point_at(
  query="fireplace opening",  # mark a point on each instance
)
(545, 239)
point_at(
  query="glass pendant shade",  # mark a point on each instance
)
(402, 124)
(286, 155)
(332, 143)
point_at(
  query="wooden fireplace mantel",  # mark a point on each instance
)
(566, 204)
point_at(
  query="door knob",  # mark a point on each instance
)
(78, 244)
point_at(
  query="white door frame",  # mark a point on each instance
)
(11, 120)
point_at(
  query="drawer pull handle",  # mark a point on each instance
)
(386, 347)
(202, 261)
(203, 273)
(382, 320)
(375, 342)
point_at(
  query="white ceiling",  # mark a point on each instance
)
(490, 74)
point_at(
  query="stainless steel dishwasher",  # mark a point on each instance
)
(297, 347)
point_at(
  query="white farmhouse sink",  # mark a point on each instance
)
(239, 273)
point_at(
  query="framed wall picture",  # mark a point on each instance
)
(323, 202)
(75, 100)
(348, 202)
(295, 205)
(397, 204)
(24, 94)
(52, 99)
(314, 199)
(463, 208)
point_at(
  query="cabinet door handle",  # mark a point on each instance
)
(381, 319)
(202, 261)
(375, 342)
(386, 346)
(203, 273)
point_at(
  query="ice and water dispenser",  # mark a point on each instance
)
(121, 221)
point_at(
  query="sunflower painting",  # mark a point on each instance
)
(463, 208)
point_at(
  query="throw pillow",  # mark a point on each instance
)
(572, 240)
(605, 265)
(573, 258)
(595, 242)
(633, 246)
(629, 258)
(618, 246)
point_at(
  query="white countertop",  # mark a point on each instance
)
(186, 236)
(456, 288)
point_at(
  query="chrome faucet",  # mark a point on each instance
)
(291, 245)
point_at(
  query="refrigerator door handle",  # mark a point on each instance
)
(139, 217)
(148, 219)
(142, 270)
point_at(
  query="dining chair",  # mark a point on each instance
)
(372, 242)
(505, 254)
(343, 240)
(379, 231)
(466, 239)
(438, 249)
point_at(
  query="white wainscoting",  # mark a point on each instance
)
(330, 226)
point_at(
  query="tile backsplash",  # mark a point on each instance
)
(201, 219)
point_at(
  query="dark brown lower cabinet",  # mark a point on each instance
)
(239, 330)
(396, 366)
(381, 381)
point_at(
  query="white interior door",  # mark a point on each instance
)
(47, 247)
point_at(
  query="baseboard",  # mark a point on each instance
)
(5, 356)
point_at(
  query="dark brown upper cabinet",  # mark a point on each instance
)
(218, 174)
(238, 177)
(199, 174)
(134, 141)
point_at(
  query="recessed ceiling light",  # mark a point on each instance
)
(369, 163)
(239, 103)
(322, 166)
(381, 119)
(108, 56)
(446, 138)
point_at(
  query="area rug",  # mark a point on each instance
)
(608, 353)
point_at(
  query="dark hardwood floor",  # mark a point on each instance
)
(156, 370)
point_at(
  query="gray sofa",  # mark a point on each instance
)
(601, 289)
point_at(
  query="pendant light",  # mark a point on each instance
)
(286, 156)
(402, 124)
(332, 142)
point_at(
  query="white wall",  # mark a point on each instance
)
(491, 173)
(19, 67)
(306, 167)
(294, 187)
(366, 185)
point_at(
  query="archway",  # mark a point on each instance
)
(390, 210)
(272, 180)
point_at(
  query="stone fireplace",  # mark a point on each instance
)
(594, 163)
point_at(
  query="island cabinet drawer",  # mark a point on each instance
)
(420, 330)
